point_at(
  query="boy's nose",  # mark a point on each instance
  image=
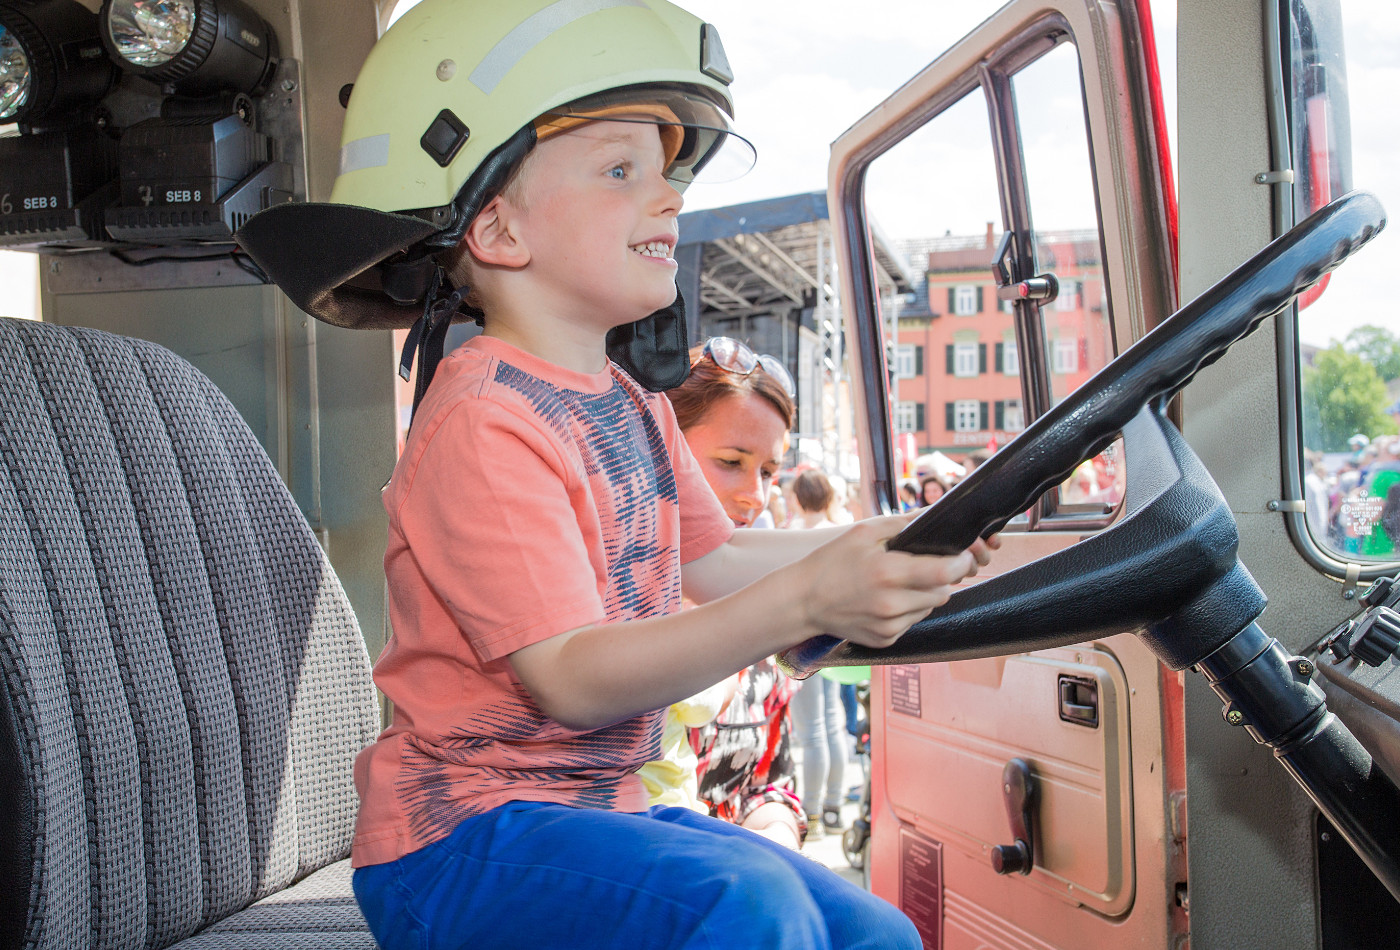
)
(668, 199)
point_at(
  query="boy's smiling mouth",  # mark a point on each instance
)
(657, 249)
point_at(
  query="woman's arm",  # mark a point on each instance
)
(748, 555)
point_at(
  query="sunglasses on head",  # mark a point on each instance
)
(735, 357)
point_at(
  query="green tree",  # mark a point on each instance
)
(1342, 395)
(1377, 346)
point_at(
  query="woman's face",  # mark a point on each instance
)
(739, 444)
(932, 492)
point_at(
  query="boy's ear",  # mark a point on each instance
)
(492, 238)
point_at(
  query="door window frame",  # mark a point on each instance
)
(1289, 354)
(1137, 234)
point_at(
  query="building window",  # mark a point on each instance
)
(908, 362)
(908, 417)
(965, 299)
(1008, 415)
(1012, 420)
(1010, 360)
(1068, 298)
(1066, 356)
(967, 415)
(965, 359)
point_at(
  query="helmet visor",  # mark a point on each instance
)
(700, 145)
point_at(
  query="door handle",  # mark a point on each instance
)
(1079, 700)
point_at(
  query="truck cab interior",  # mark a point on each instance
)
(1171, 717)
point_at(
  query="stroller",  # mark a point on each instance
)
(855, 840)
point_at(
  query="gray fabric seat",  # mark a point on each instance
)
(183, 686)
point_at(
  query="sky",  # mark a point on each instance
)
(806, 70)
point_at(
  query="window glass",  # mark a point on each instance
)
(945, 227)
(1012, 418)
(1077, 327)
(1066, 352)
(904, 360)
(905, 417)
(1348, 331)
(1060, 181)
(964, 359)
(967, 415)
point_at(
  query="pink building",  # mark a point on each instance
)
(958, 373)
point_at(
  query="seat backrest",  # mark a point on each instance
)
(183, 685)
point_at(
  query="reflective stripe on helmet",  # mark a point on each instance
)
(371, 152)
(516, 44)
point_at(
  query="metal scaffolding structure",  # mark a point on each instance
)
(766, 272)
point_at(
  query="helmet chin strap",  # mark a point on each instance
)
(653, 350)
(428, 335)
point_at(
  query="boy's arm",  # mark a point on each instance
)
(850, 587)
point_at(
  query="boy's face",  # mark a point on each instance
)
(599, 220)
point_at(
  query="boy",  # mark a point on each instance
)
(544, 518)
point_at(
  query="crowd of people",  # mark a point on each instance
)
(1353, 501)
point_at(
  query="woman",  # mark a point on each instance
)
(817, 709)
(931, 488)
(735, 411)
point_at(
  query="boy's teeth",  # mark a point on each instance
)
(652, 249)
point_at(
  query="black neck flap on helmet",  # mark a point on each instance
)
(382, 273)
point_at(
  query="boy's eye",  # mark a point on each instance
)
(618, 171)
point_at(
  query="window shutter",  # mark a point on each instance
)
(951, 423)
(1000, 414)
(952, 302)
(979, 305)
(951, 364)
(981, 357)
(918, 417)
(982, 415)
(1001, 357)
(918, 361)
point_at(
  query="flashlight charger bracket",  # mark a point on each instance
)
(203, 221)
(196, 173)
(55, 186)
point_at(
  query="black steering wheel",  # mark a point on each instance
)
(1167, 568)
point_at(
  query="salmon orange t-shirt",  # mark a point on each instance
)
(530, 500)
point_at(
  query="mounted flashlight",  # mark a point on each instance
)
(201, 168)
(51, 60)
(191, 47)
(174, 154)
(58, 170)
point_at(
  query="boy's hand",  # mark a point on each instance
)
(856, 589)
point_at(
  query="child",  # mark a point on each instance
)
(546, 512)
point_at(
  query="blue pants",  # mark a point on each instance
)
(529, 875)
